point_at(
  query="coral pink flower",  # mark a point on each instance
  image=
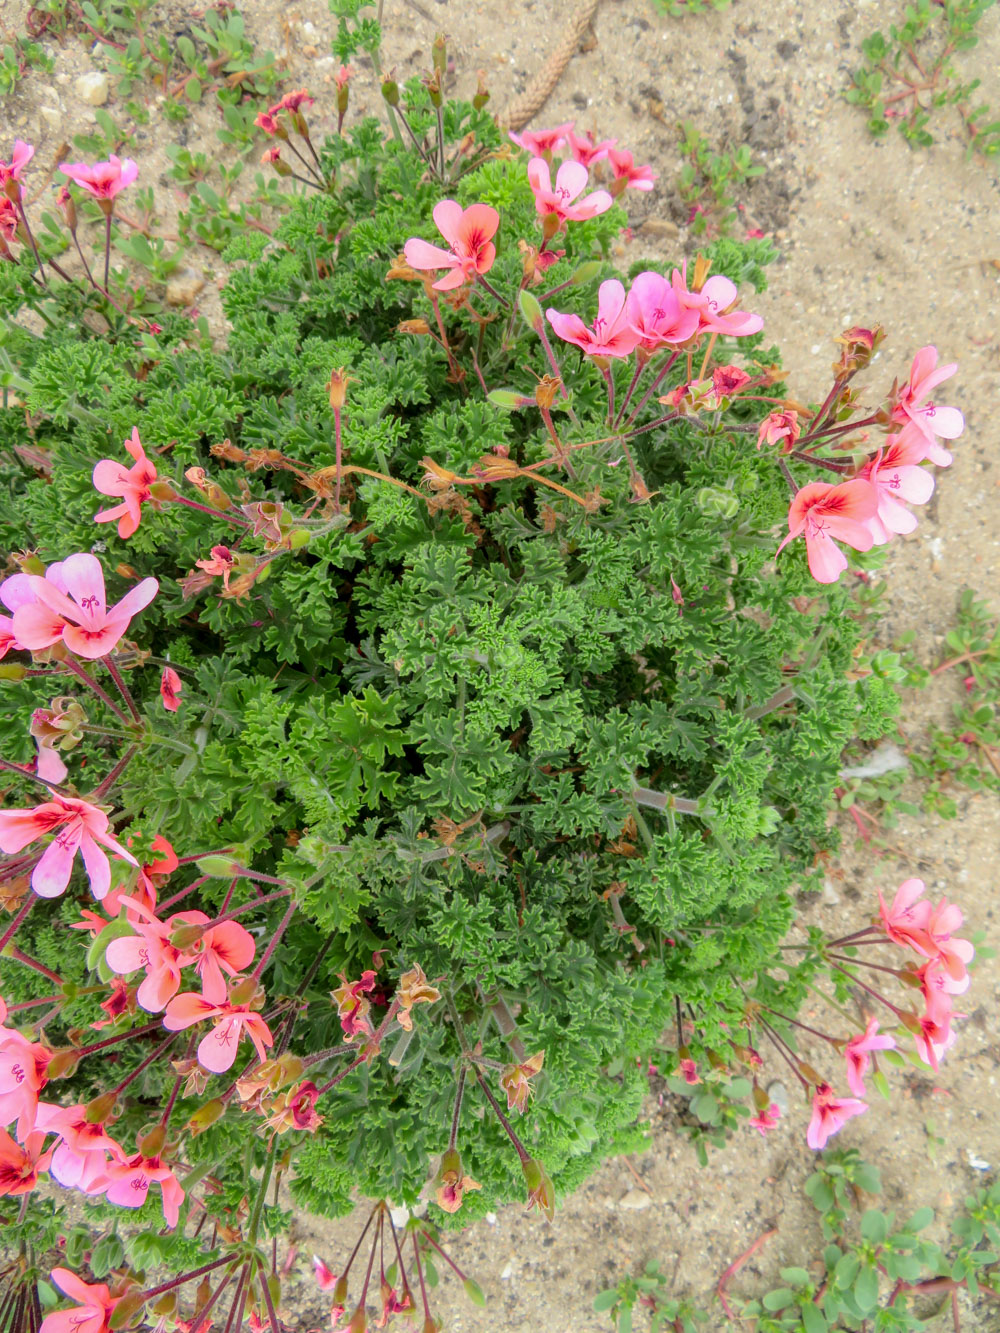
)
(689, 1071)
(84, 1149)
(934, 1038)
(217, 1050)
(144, 892)
(95, 1303)
(857, 1052)
(895, 473)
(19, 1166)
(638, 178)
(824, 513)
(611, 333)
(585, 151)
(170, 689)
(265, 121)
(82, 827)
(905, 922)
(132, 484)
(714, 303)
(469, 232)
(22, 1077)
(293, 101)
(766, 1119)
(779, 428)
(571, 181)
(931, 421)
(22, 155)
(150, 948)
(221, 562)
(829, 1115)
(127, 1184)
(540, 142)
(327, 1280)
(104, 179)
(656, 315)
(953, 955)
(88, 627)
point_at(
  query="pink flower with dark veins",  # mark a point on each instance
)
(829, 1115)
(470, 234)
(540, 142)
(104, 179)
(896, 474)
(82, 827)
(131, 484)
(932, 421)
(611, 333)
(826, 514)
(84, 622)
(858, 1055)
(571, 181)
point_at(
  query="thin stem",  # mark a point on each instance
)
(788, 476)
(492, 291)
(207, 509)
(456, 1115)
(107, 246)
(123, 689)
(657, 800)
(148, 1061)
(519, 1147)
(108, 782)
(72, 665)
(11, 930)
(640, 366)
(6, 765)
(31, 239)
(113, 1041)
(660, 376)
(33, 963)
(275, 939)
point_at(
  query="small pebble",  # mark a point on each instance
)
(635, 1201)
(92, 87)
(778, 1094)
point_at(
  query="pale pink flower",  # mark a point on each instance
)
(611, 333)
(22, 1077)
(905, 922)
(343, 77)
(715, 304)
(858, 1055)
(779, 428)
(540, 142)
(127, 1183)
(766, 1120)
(954, 955)
(637, 178)
(217, 1050)
(571, 181)
(896, 474)
(170, 689)
(49, 766)
(16, 592)
(826, 514)
(86, 625)
(95, 1305)
(9, 221)
(938, 987)
(654, 312)
(935, 1037)
(132, 484)
(469, 232)
(932, 421)
(104, 179)
(22, 155)
(20, 1165)
(82, 827)
(585, 151)
(829, 1115)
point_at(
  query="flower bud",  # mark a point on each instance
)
(298, 538)
(340, 1290)
(165, 1304)
(151, 1144)
(206, 1116)
(98, 1110)
(433, 86)
(474, 1292)
(185, 936)
(716, 502)
(390, 90)
(358, 1322)
(63, 1063)
(246, 991)
(128, 1306)
(219, 867)
(337, 388)
(29, 563)
(162, 490)
(439, 53)
(530, 309)
(481, 96)
(12, 671)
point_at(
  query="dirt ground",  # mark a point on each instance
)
(868, 231)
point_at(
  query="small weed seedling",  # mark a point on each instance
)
(707, 180)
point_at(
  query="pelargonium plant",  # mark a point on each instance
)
(420, 711)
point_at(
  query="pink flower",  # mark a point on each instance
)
(585, 151)
(22, 1077)
(217, 1050)
(84, 1149)
(469, 232)
(953, 955)
(766, 1119)
(857, 1052)
(896, 475)
(343, 76)
(638, 178)
(127, 1183)
(829, 1115)
(132, 484)
(931, 421)
(22, 155)
(934, 1038)
(824, 513)
(19, 1166)
(104, 179)
(540, 142)
(689, 1071)
(656, 315)
(714, 303)
(571, 181)
(150, 948)
(293, 101)
(170, 689)
(352, 1006)
(728, 381)
(327, 1280)
(611, 334)
(221, 562)
(16, 592)
(265, 121)
(95, 1306)
(48, 766)
(905, 922)
(85, 624)
(81, 827)
(779, 428)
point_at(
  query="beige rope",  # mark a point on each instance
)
(518, 112)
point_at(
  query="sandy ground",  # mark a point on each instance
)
(868, 231)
